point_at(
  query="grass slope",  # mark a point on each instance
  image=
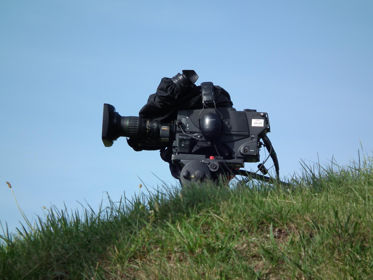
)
(320, 228)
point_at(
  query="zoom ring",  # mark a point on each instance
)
(131, 126)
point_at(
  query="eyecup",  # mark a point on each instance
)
(186, 79)
(191, 75)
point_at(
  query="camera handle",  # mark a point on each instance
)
(208, 95)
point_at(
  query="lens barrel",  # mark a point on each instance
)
(130, 126)
(114, 126)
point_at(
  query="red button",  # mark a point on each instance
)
(212, 157)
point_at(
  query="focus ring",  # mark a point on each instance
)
(130, 126)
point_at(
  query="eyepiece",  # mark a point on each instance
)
(186, 79)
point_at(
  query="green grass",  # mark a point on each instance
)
(319, 228)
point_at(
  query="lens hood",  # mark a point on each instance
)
(109, 119)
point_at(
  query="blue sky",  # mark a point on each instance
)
(309, 64)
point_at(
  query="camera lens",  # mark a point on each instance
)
(114, 126)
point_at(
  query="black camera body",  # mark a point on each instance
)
(235, 133)
(206, 142)
(221, 139)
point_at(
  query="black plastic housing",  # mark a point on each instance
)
(220, 132)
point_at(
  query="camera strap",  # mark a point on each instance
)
(208, 94)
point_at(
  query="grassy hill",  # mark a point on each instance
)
(320, 228)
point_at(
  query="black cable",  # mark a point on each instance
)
(259, 177)
(263, 162)
(272, 153)
(192, 135)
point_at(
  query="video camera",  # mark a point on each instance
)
(205, 143)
